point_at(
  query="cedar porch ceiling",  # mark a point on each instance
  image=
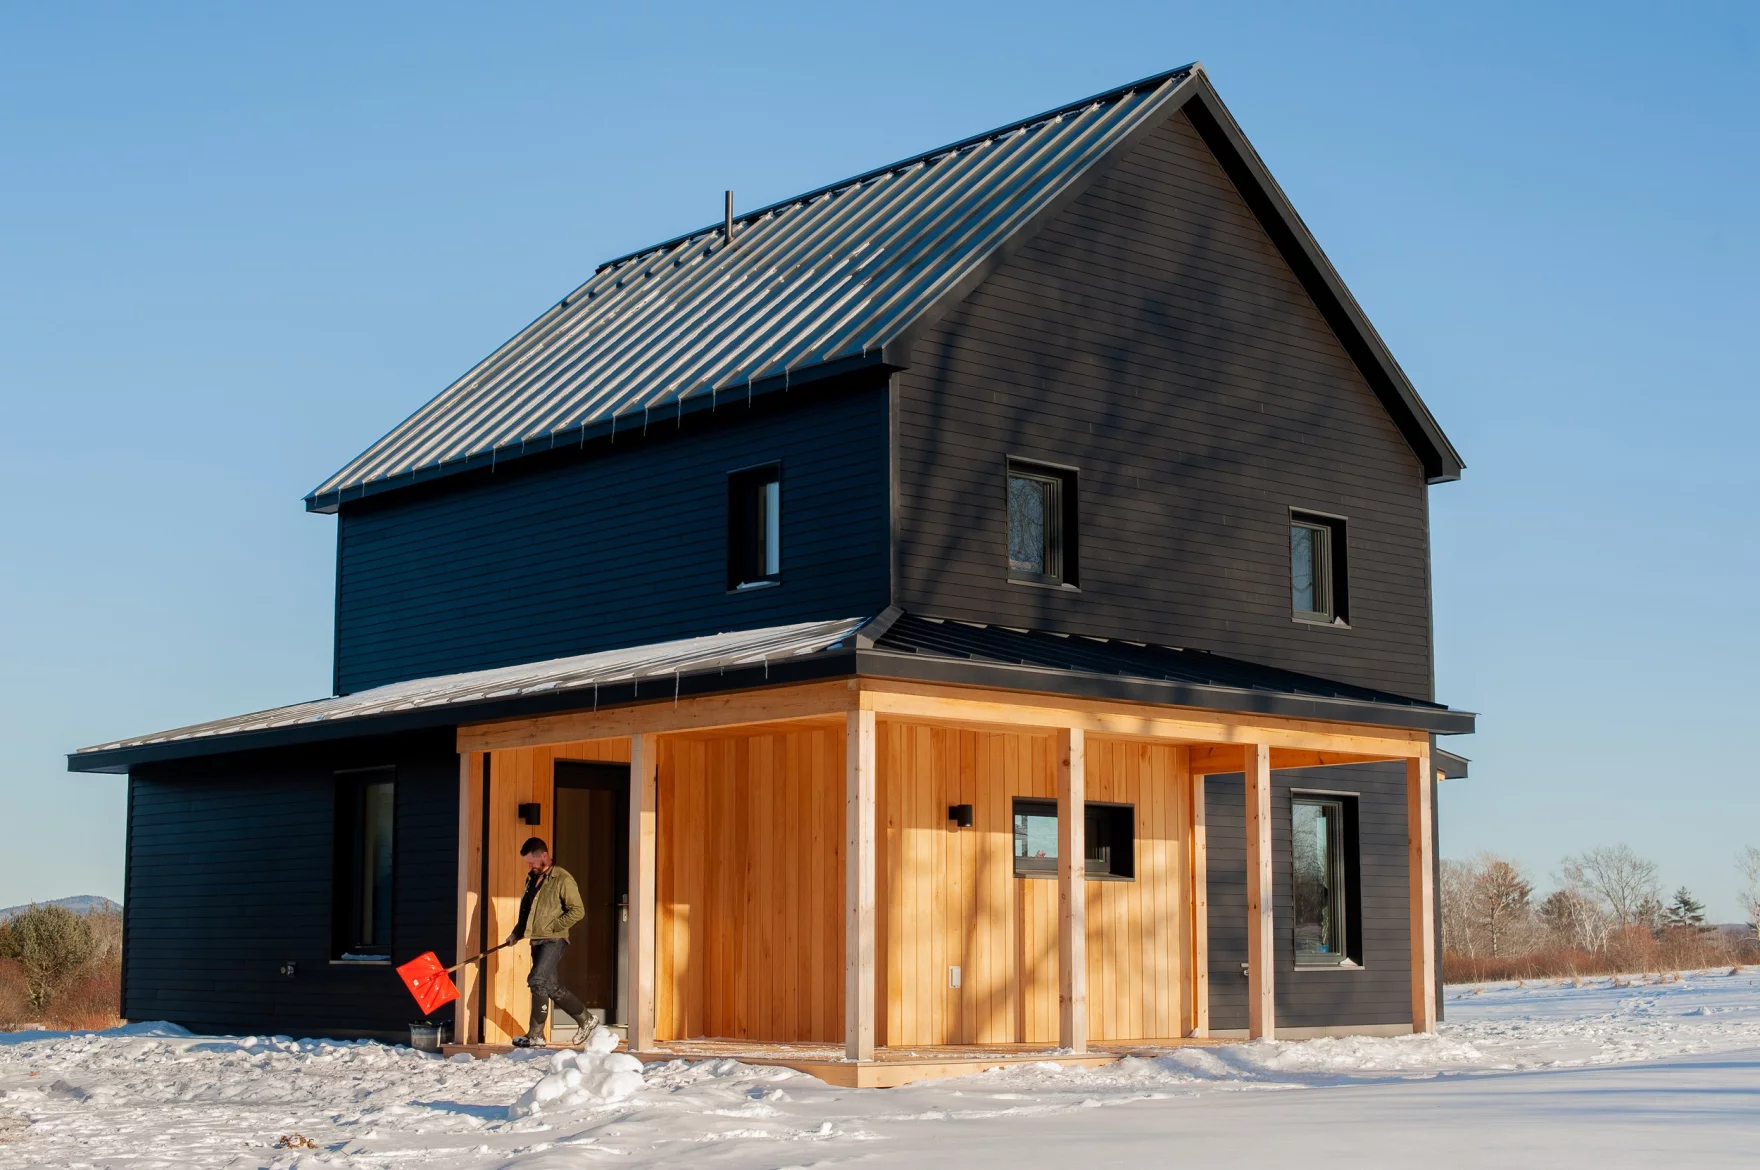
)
(1246, 738)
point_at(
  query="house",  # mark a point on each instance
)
(978, 607)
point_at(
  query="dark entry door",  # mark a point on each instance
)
(592, 834)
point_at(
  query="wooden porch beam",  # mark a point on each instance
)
(644, 788)
(1261, 952)
(860, 790)
(970, 707)
(470, 897)
(700, 713)
(1072, 889)
(1421, 892)
(1200, 910)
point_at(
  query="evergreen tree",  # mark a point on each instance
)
(1685, 910)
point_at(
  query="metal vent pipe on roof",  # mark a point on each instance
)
(727, 213)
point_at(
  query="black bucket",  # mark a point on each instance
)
(427, 1037)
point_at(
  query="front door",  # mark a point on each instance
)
(592, 834)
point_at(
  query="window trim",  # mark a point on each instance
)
(1348, 900)
(1337, 569)
(739, 481)
(347, 867)
(1064, 538)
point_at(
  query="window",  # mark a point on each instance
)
(754, 527)
(1041, 524)
(1323, 893)
(365, 807)
(1110, 845)
(1317, 568)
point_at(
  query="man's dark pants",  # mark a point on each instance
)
(546, 986)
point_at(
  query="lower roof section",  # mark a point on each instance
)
(891, 645)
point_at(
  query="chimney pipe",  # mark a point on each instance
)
(727, 213)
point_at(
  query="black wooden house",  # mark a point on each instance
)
(983, 603)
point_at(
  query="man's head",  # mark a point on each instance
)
(535, 854)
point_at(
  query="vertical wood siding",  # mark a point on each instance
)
(750, 886)
(1379, 993)
(1153, 337)
(230, 877)
(623, 546)
(949, 897)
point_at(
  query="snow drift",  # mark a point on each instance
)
(599, 1075)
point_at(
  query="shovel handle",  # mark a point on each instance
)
(482, 956)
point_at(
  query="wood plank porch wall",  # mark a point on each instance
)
(750, 886)
(949, 896)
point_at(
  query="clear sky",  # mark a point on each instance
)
(238, 243)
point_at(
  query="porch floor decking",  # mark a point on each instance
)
(890, 1067)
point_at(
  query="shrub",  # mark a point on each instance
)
(15, 1000)
(51, 944)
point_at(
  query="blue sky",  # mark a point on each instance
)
(237, 244)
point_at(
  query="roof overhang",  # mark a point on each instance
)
(751, 660)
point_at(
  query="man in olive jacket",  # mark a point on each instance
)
(548, 908)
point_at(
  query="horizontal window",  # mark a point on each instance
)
(1110, 847)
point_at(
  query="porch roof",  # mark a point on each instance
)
(890, 645)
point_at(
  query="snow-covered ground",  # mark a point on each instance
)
(1546, 1074)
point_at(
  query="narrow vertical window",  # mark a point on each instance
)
(1316, 568)
(1041, 524)
(1322, 894)
(366, 804)
(754, 527)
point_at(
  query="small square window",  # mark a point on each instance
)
(754, 527)
(1110, 845)
(1041, 524)
(366, 804)
(1323, 896)
(1317, 580)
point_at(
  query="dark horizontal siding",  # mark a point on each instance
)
(1379, 993)
(622, 546)
(1153, 337)
(230, 863)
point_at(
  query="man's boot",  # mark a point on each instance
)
(534, 1037)
(571, 1003)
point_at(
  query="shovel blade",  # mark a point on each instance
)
(428, 981)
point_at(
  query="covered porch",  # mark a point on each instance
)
(824, 874)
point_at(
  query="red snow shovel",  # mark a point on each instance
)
(431, 983)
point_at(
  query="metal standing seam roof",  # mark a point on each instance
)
(661, 661)
(824, 278)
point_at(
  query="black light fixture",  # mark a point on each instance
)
(960, 814)
(531, 814)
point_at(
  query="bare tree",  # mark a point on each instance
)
(1501, 905)
(1575, 920)
(1456, 896)
(1748, 862)
(1627, 885)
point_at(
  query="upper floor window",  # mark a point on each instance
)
(1041, 524)
(1317, 582)
(754, 527)
(366, 804)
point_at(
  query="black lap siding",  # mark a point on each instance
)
(1153, 337)
(1378, 993)
(230, 877)
(623, 545)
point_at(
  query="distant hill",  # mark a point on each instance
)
(79, 904)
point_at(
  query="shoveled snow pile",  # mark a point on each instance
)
(1543, 1074)
(599, 1075)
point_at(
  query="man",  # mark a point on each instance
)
(548, 908)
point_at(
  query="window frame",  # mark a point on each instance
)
(1347, 891)
(743, 523)
(1102, 820)
(1333, 573)
(1061, 522)
(350, 865)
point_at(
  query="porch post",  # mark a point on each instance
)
(644, 776)
(470, 898)
(1200, 909)
(1072, 889)
(858, 886)
(1261, 949)
(1421, 890)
